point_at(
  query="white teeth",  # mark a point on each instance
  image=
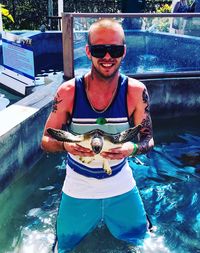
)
(107, 64)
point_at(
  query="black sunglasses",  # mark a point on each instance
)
(99, 51)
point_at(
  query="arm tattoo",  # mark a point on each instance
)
(146, 132)
(56, 101)
(145, 99)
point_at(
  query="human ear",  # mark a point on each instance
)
(87, 50)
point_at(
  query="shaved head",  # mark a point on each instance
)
(106, 24)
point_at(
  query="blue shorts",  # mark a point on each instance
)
(124, 216)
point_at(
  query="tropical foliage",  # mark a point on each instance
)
(163, 24)
(31, 14)
(28, 14)
(166, 8)
(5, 12)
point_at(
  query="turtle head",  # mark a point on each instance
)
(97, 144)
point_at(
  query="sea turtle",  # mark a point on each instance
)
(97, 140)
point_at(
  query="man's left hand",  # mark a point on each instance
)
(118, 153)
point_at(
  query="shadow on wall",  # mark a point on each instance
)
(174, 97)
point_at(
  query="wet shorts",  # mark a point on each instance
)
(124, 216)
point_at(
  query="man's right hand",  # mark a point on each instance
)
(76, 149)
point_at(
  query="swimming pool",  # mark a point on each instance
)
(148, 53)
(7, 98)
(169, 182)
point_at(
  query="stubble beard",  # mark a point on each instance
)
(101, 75)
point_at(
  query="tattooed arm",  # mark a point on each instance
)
(139, 112)
(59, 116)
(138, 109)
(146, 135)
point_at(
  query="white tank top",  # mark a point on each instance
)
(78, 186)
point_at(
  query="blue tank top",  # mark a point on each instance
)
(112, 120)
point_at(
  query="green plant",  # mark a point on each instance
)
(5, 12)
(166, 8)
(163, 23)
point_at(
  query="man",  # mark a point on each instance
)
(106, 100)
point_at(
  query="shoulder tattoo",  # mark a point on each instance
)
(56, 101)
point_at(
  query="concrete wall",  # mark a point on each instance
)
(174, 97)
(21, 130)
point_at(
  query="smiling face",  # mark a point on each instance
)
(105, 32)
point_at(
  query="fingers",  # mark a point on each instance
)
(114, 154)
(78, 150)
(82, 149)
(118, 153)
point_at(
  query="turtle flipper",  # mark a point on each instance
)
(129, 134)
(86, 159)
(106, 167)
(126, 135)
(62, 135)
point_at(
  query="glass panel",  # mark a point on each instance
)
(154, 44)
(81, 62)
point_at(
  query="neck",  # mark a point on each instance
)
(99, 82)
(100, 92)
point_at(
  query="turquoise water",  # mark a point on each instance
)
(146, 63)
(168, 179)
(7, 98)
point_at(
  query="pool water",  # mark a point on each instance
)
(7, 98)
(168, 179)
(146, 63)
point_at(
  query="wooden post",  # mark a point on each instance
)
(68, 48)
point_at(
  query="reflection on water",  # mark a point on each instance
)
(169, 182)
(148, 63)
(172, 194)
(136, 64)
(3, 101)
(7, 98)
